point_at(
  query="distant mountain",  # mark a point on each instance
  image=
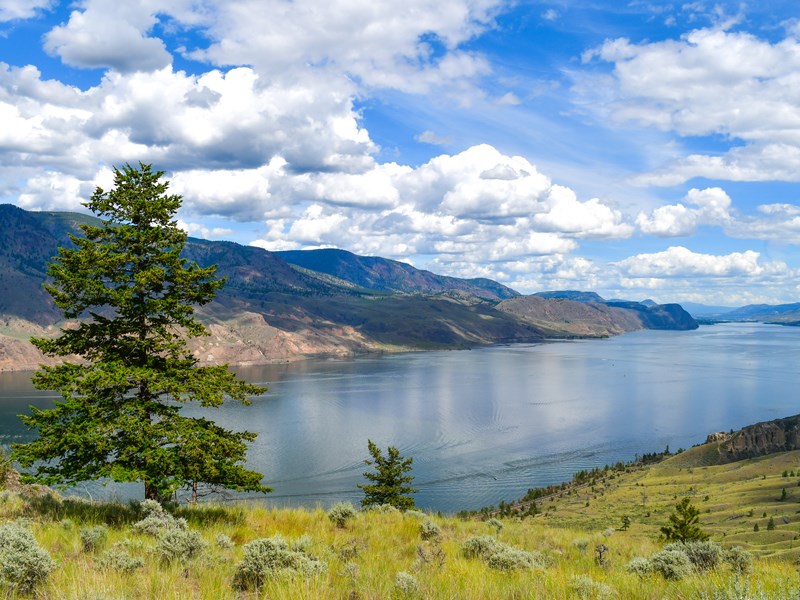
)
(575, 295)
(328, 302)
(659, 316)
(704, 310)
(383, 274)
(558, 316)
(764, 312)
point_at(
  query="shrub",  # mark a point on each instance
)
(581, 544)
(176, 544)
(586, 587)
(495, 524)
(119, 560)
(499, 555)
(703, 555)
(429, 530)
(740, 560)
(481, 546)
(156, 519)
(406, 586)
(224, 541)
(640, 566)
(93, 538)
(23, 563)
(267, 557)
(672, 564)
(511, 559)
(341, 513)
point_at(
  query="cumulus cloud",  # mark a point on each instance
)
(107, 33)
(678, 261)
(710, 206)
(11, 10)
(667, 85)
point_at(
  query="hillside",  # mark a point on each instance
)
(564, 317)
(387, 554)
(375, 273)
(329, 302)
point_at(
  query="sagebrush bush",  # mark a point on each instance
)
(495, 524)
(739, 559)
(703, 555)
(224, 541)
(640, 566)
(480, 546)
(341, 512)
(266, 557)
(511, 559)
(119, 560)
(156, 519)
(406, 586)
(23, 563)
(429, 530)
(499, 555)
(672, 564)
(585, 587)
(93, 538)
(176, 544)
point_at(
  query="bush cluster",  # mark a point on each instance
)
(156, 519)
(93, 538)
(23, 563)
(119, 560)
(428, 530)
(677, 561)
(500, 556)
(341, 513)
(267, 557)
(585, 587)
(406, 586)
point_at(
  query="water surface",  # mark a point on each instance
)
(485, 425)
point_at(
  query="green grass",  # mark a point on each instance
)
(363, 558)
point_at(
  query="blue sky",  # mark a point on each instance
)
(640, 150)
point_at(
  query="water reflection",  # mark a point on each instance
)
(484, 425)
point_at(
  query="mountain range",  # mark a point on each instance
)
(279, 306)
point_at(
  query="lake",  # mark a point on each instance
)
(485, 425)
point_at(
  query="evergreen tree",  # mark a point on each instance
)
(120, 414)
(683, 524)
(390, 479)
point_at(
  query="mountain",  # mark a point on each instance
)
(560, 316)
(778, 313)
(575, 295)
(704, 310)
(383, 274)
(327, 302)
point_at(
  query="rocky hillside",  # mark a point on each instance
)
(271, 310)
(764, 438)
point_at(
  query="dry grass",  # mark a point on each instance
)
(363, 558)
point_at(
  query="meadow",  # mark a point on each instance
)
(575, 547)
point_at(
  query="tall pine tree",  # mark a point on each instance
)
(120, 414)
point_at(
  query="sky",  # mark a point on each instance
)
(640, 150)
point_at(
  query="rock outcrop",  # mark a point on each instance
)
(760, 439)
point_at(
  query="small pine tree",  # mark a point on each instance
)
(626, 522)
(390, 479)
(771, 524)
(683, 524)
(755, 527)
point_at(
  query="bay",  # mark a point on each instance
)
(487, 424)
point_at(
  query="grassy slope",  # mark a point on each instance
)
(386, 544)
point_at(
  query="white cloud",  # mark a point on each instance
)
(107, 33)
(670, 84)
(11, 10)
(712, 208)
(429, 137)
(678, 261)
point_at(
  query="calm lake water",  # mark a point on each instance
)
(485, 425)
